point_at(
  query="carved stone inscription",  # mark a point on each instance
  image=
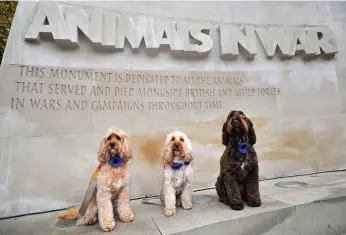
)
(63, 89)
(107, 29)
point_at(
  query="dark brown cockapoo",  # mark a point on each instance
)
(238, 180)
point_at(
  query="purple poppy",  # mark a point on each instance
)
(243, 148)
(176, 165)
(115, 161)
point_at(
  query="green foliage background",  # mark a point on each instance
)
(7, 10)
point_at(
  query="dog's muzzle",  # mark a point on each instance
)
(113, 148)
(176, 147)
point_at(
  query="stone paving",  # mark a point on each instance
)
(318, 209)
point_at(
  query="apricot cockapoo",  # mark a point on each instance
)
(112, 190)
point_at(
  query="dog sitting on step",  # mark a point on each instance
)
(177, 173)
(112, 190)
(238, 179)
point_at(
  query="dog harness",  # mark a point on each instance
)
(114, 161)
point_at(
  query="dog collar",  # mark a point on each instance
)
(243, 147)
(115, 161)
(177, 166)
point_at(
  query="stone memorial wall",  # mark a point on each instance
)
(56, 103)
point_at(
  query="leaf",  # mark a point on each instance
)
(7, 11)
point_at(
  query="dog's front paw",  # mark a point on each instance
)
(237, 206)
(107, 225)
(90, 221)
(187, 206)
(169, 211)
(127, 217)
(254, 203)
(81, 221)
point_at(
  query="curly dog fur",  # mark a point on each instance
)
(177, 188)
(112, 191)
(238, 180)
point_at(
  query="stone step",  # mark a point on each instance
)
(317, 209)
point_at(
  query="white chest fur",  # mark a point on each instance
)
(112, 184)
(178, 178)
(117, 184)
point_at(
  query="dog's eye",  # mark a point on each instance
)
(118, 137)
(173, 138)
(181, 139)
(109, 138)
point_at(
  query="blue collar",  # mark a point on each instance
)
(177, 166)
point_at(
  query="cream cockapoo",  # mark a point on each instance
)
(178, 173)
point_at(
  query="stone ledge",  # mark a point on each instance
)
(318, 209)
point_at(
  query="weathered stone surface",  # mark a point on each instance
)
(280, 220)
(318, 208)
(323, 217)
(56, 116)
(48, 155)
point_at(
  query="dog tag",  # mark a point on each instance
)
(91, 189)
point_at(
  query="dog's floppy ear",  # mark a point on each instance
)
(188, 146)
(225, 134)
(244, 124)
(167, 156)
(102, 153)
(167, 153)
(188, 149)
(126, 150)
(251, 132)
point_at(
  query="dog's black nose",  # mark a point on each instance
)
(176, 145)
(112, 145)
(236, 123)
